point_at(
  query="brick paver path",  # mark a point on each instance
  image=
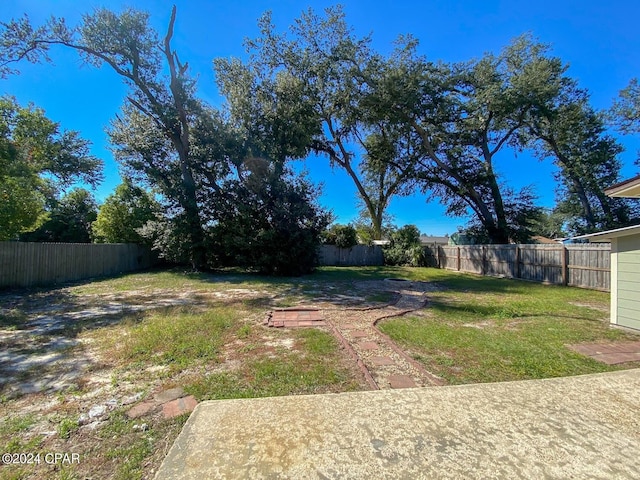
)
(173, 402)
(295, 317)
(610, 353)
(382, 362)
(386, 364)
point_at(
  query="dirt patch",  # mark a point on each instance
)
(592, 306)
(479, 325)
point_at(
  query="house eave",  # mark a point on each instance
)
(627, 189)
(609, 234)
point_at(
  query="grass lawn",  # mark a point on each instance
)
(205, 334)
(475, 329)
(482, 329)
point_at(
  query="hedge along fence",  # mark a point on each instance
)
(582, 265)
(39, 264)
(359, 255)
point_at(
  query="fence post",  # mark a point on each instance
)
(434, 253)
(517, 261)
(458, 258)
(565, 265)
(483, 268)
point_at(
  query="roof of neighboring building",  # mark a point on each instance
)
(428, 239)
(628, 189)
(609, 234)
(541, 239)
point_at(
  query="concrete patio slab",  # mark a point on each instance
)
(576, 427)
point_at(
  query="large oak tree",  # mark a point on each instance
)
(306, 79)
(127, 44)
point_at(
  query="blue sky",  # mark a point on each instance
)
(599, 40)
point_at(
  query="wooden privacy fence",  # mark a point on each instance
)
(359, 255)
(34, 264)
(580, 265)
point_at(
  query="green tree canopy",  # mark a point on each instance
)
(571, 133)
(161, 91)
(269, 221)
(302, 84)
(69, 219)
(123, 214)
(404, 247)
(343, 236)
(37, 160)
(625, 112)
(462, 116)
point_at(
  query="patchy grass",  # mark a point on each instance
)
(342, 274)
(481, 329)
(66, 427)
(129, 456)
(315, 366)
(154, 279)
(175, 279)
(11, 319)
(215, 349)
(177, 337)
(15, 438)
(475, 329)
(10, 430)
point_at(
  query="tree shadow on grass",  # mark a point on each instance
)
(474, 311)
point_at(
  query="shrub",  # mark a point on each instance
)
(405, 248)
(343, 236)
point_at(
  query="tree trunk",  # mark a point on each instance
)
(497, 236)
(376, 222)
(580, 191)
(501, 233)
(181, 141)
(198, 253)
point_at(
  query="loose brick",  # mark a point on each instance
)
(401, 381)
(168, 395)
(140, 409)
(179, 406)
(381, 361)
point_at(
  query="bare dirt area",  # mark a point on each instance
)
(58, 389)
(42, 351)
(68, 392)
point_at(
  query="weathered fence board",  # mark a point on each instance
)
(35, 264)
(581, 265)
(359, 255)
